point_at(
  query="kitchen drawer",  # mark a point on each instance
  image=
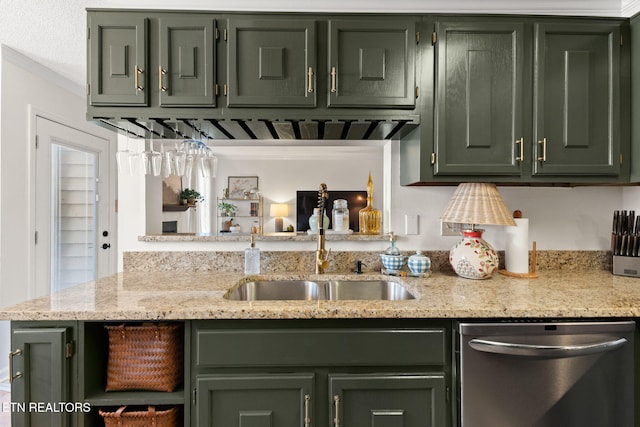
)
(319, 347)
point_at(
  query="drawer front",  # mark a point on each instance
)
(320, 347)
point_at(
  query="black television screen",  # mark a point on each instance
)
(307, 200)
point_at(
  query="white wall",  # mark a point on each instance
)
(26, 87)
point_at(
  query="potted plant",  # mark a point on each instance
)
(190, 197)
(227, 209)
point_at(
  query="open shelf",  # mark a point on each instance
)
(93, 378)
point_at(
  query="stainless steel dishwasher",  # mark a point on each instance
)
(546, 374)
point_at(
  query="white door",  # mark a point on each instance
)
(72, 239)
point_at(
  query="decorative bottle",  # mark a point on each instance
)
(252, 259)
(370, 217)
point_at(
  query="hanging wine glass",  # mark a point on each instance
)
(191, 156)
(167, 162)
(179, 159)
(208, 163)
(154, 161)
(136, 161)
(122, 156)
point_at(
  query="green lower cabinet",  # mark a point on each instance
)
(40, 375)
(388, 400)
(249, 400)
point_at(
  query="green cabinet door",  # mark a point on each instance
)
(118, 73)
(371, 63)
(576, 99)
(479, 105)
(272, 62)
(186, 73)
(40, 373)
(374, 400)
(255, 400)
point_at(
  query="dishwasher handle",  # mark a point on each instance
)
(534, 350)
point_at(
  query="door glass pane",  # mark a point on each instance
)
(73, 221)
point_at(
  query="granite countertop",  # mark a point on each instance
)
(180, 295)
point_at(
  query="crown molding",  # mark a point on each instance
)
(540, 7)
(630, 8)
(17, 58)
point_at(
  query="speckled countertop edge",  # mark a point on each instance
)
(199, 295)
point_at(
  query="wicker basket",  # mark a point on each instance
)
(140, 418)
(145, 357)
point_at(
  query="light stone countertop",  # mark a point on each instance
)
(180, 295)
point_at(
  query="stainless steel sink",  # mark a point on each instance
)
(274, 290)
(365, 290)
(283, 290)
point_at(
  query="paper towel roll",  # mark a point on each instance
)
(516, 254)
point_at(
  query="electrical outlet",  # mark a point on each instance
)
(450, 229)
(410, 224)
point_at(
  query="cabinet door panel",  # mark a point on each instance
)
(118, 72)
(187, 68)
(576, 96)
(270, 62)
(254, 400)
(479, 101)
(371, 400)
(45, 375)
(374, 64)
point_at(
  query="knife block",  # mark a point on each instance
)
(626, 266)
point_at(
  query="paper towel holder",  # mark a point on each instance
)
(532, 274)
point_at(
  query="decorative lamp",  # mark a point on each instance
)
(475, 204)
(279, 210)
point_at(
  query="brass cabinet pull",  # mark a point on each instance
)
(336, 408)
(307, 420)
(12, 377)
(136, 78)
(310, 80)
(520, 142)
(333, 80)
(543, 158)
(161, 72)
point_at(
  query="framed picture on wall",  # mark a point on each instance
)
(241, 187)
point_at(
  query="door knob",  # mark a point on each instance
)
(106, 246)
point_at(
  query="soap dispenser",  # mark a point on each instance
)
(252, 258)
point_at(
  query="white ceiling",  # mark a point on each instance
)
(52, 32)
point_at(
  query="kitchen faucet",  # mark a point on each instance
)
(322, 255)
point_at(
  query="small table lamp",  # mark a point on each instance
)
(473, 204)
(279, 210)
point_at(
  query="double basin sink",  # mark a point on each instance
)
(281, 290)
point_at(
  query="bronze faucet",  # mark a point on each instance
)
(322, 255)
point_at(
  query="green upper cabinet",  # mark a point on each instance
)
(478, 107)
(186, 73)
(272, 62)
(576, 99)
(117, 67)
(372, 63)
